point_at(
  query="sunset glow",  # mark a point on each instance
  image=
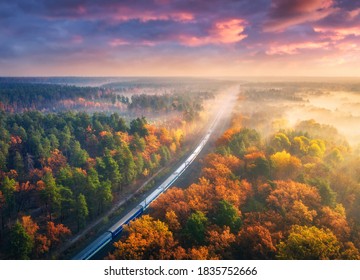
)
(180, 38)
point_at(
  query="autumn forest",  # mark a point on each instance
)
(268, 190)
(279, 180)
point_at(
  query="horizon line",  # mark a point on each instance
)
(175, 76)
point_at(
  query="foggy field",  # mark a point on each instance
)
(287, 104)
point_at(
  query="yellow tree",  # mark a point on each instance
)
(285, 166)
(280, 142)
(146, 239)
(300, 214)
(309, 243)
(164, 136)
(172, 220)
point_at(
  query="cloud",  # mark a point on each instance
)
(229, 31)
(337, 34)
(118, 42)
(284, 14)
(145, 16)
(153, 33)
(348, 47)
(223, 32)
(290, 49)
(340, 25)
(354, 13)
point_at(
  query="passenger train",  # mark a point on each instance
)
(118, 227)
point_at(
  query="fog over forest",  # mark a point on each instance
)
(287, 103)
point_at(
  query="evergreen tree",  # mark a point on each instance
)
(20, 244)
(227, 215)
(50, 194)
(195, 228)
(82, 211)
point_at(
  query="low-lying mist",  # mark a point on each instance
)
(270, 107)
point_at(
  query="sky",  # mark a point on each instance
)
(180, 38)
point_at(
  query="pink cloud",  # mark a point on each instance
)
(126, 14)
(147, 43)
(183, 17)
(229, 31)
(285, 14)
(348, 46)
(309, 6)
(337, 34)
(223, 32)
(118, 42)
(348, 26)
(354, 13)
(295, 48)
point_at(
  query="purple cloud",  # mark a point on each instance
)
(284, 13)
(110, 32)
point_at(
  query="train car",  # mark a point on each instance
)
(133, 214)
(159, 190)
(94, 247)
(106, 237)
(151, 197)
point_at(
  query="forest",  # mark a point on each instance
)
(130, 99)
(17, 97)
(62, 169)
(269, 190)
(282, 181)
(68, 167)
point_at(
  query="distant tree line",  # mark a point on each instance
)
(18, 97)
(188, 103)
